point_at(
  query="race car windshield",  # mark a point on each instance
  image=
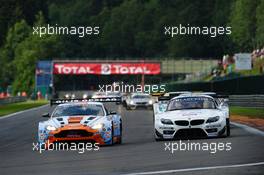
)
(67, 110)
(191, 103)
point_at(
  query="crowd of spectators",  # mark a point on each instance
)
(258, 53)
(226, 65)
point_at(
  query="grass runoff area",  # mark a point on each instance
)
(246, 111)
(16, 107)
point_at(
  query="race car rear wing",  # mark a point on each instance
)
(170, 95)
(61, 101)
(220, 97)
(212, 94)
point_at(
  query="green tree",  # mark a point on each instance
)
(260, 24)
(243, 23)
(15, 36)
(13, 11)
(27, 53)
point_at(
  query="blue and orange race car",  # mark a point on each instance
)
(80, 120)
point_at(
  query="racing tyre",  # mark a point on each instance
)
(226, 130)
(112, 133)
(124, 104)
(227, 127)
(120, 137)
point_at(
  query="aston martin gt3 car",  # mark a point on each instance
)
(191, 115)
(81, 121)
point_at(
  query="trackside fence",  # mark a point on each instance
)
(9, 100)
(243, 91)
(233, 86)
(247, 100)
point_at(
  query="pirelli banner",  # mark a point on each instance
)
(106, 69)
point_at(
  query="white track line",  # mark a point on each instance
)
(249, 129)
(20, 112)
(197, 169)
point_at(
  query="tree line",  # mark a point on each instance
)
(128, 29)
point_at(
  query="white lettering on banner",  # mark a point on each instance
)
(73, 69)
(119, 69)
(59, 67)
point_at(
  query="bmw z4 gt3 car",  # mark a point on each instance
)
(191, 115)
(81, 121)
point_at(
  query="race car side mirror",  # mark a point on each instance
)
(46, 115)
(112, 112)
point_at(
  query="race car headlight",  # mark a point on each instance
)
(85, 96)
(131, 102)
(166, 121)
(212, 119)
(150, 102)
(51, 128)
(98, 126)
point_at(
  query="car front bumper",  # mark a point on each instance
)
(203, 130)
(78, 133)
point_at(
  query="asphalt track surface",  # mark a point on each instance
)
(139, 153)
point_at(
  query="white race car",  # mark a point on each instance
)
(191, 115)
(136, 100)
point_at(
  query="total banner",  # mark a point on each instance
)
(106, 69)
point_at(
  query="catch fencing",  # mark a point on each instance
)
(235, 86)
(247, 100)
(9, 100)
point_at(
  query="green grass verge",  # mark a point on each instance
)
(250, 112)
(16, 107)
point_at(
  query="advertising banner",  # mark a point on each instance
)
(106, 69)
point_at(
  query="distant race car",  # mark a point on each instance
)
(191, 115)
(114, 95)
(76, 120)
(135, 100)
(99, 95)
(69, 96)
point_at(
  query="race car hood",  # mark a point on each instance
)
(73, 120)
(190, 114)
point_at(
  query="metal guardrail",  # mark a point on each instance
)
(247, 100)
(9, 100)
